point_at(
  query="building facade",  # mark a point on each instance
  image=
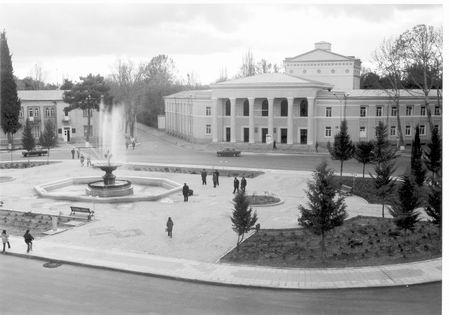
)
(297, 110)
(38, 106)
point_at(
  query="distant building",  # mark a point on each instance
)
(38, 106)
(300, 107)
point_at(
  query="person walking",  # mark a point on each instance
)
(88, 161)
(236, 185)
(82, 160)
(78, 153)
(214, 175)
(73, 153)
(28, 240)
(203, 173)
(5, 240)
(133, 143)
(243, 183)
(185, 192)
(169, 227)
(217, 177)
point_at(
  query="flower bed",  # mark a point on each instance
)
(361, 241)
(258, 200)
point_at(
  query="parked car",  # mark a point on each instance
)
(228, 152)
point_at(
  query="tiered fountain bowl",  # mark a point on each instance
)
(109, 186)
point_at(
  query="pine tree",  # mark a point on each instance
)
(382, 151)
(242, 218)
(404, 209)
(384, 181)
(417, 168)
(48, 138)
(325, 210)
(363, 153)
(343, 147)
(434, 207)
(10, 103)
(433, 156)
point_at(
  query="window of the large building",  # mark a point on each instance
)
(228, 108)
(363, 111)
(408, 110)
(328, 112)
(265, 108)
(208, 129)
(327, 132)
(246, 108)
(422, 130)
(36, 112)
(422, 111)
(21, 112)
(30, 112)
(393, 130)
(284, 108)
(437, 110)
(436, 127)
(408, 130)
(85, 112)
(379, 111)
(363, 132)
(394, 111)
(208, 111)
(304, 108)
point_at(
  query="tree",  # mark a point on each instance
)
(10, 103)
(404, 209)
(363, 153)
(67, 85)
(434, 203)
(417, 169)
(384, 181)
(390, 63)
(382, 151)
(242, 218)
(86, 95)
(248, 67)
(28, 141)
(48, 138)
(433, 156)
(422, 48)
(325, 209)
(343, 147)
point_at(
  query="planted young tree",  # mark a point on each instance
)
(404, 209)
(384, 181)
(342, 148)
(363, 153)
(434, 203)
(417, 167)
(243, 217)
(48, 138)
(433, 156)
(28, 142)
(326, 209)
(382, 150)
(10, 103)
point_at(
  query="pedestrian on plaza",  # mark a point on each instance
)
(217, 177)
(88, 161)
(185, 192)
(78, 153)
(243, 183)
(82, 160)
(28, 240)
(169, 227)
(133, 142)
(73, 153)
(127, 143)
(236, 185)
(5, 240)
(203, 173)
(274, 144)
(214, 175)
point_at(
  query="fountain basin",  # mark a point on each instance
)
(101, 188)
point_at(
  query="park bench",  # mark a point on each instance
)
(88, 211)
(346, 190)
(34, 153)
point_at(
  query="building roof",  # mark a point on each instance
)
(363, 93)
(40, 95)
(271, 79)
(191, 94)
(312, 53)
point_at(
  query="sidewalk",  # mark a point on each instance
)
(236, 275)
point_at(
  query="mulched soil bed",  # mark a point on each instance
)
(361, 241)
(256, 200)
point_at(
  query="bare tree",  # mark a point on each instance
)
(422, 49)
(248, 67)
(223, 75)
(37, 75)
(388, 59)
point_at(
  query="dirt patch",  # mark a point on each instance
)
(256, 200)
(361, 241)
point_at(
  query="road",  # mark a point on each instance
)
(29, 288)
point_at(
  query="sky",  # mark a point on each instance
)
(69, 40)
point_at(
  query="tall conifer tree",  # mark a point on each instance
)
(342, 148)
(417, 167)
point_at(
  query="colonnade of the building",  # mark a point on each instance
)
(218, 103)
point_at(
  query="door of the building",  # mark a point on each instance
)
(283, 135)
(67, 134)
(264, 132)
(246, 134)
(303, 136)
(227, 134)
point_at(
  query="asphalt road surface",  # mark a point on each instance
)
(29, 288)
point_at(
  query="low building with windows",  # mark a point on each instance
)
(300, 107)
(38, 106)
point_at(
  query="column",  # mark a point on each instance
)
(251, 120)
(311, 136)
(290, 122)
(270, 123)
(214, 124)
(233, 120)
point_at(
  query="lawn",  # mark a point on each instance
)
(360, 241)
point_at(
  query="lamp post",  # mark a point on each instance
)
(345, 95)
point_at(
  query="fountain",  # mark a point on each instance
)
(109, 186)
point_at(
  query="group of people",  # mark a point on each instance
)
(81, 157)
(215, 176)
(129, 141)
(236, 184)
(27, 237)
